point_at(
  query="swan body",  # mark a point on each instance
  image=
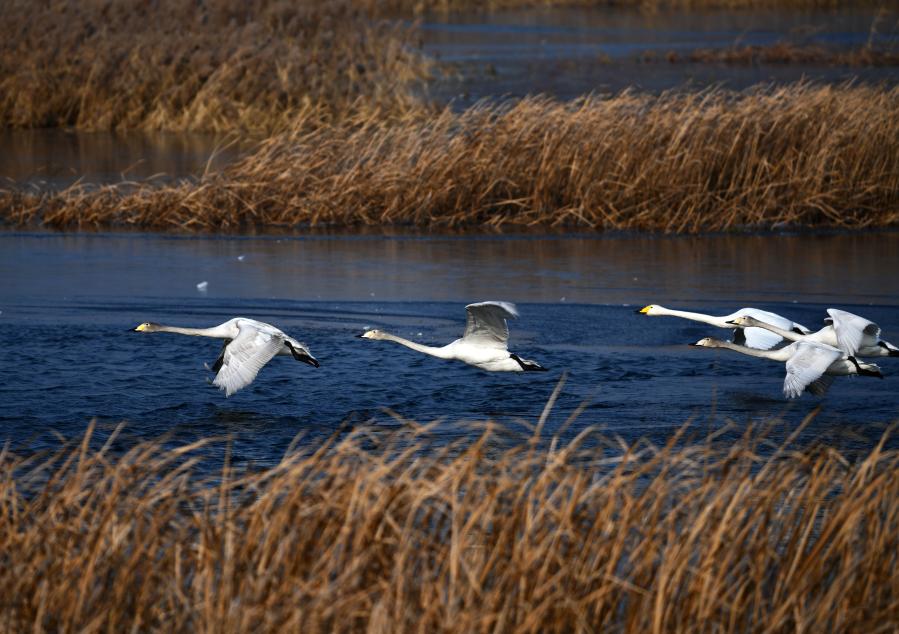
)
(249, 345)
(753, 337)
(850, 333)
(809, 365)
(483, 345)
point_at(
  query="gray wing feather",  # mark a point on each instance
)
(808, 363)
(244, 357)
(853, 331)
(487, 325)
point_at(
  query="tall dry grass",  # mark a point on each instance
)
(379, 532)
(797, 155)
(213, 66)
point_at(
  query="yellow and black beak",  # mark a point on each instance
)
(643, 310)
(140, 328)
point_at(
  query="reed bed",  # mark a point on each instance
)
(384, 532)
(206, 66)
(799, 155)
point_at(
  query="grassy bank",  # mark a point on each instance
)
(369, 533)
(798, 155)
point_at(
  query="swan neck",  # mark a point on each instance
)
(434, 352)
(196, 332)
(752, 352)
(786, 334)
(686, 314)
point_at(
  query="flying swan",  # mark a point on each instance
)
(249, 345)
(483, 345)
(850, 333)
(753, 337)
(810, 365)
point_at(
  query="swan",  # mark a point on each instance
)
(249, 345)
(483, 345)
(850, 333)
(753, 337)
(810, 365)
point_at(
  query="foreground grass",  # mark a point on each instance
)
(798, 155)
(374, 532)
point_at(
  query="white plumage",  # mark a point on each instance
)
(755, 337)
(484, 344)
(249, 345)
(809, 365)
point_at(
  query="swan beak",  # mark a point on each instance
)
(642, 311)
(362, 336)
(136, 329)
(731, 322)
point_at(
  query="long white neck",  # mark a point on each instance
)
(706, 319)
(775, 355)
(441, 353)
(786, 334)
(218, 332)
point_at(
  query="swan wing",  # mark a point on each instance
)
(244, 357)
(852, 330)
(487, 325)
(808, 363)
(760, 338)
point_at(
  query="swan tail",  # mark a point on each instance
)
(528, 366)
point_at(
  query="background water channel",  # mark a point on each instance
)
(68, 300)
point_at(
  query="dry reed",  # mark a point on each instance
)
(220, 65)
(798, 155)
(378, 532)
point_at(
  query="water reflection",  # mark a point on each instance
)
(55, 159)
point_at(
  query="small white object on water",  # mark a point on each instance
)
(203, 286)
(241, 258)
(562, 299)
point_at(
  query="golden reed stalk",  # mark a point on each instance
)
(382, 532)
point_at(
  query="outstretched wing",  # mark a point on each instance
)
(852, 330)
(487, 325)
(243, 358)
(808, 363)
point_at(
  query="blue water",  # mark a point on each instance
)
(67, 303)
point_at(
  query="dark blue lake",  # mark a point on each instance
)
(67, 303)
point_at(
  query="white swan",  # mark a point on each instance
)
(850, 333)
(752, 337)
(483, 345)
(810, 365)
(249, 345)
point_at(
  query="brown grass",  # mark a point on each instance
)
(379, 532)
(798, 155)
(219, 65)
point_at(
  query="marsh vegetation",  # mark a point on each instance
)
(373, 531)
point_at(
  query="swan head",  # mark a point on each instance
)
(707, 342)
(744, 321)
(372, 334)
(652, 309)
(147, 326)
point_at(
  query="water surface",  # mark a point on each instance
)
(67, 303)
